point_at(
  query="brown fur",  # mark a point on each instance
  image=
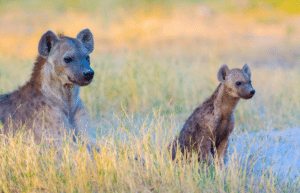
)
(207, 130)
(49, 103)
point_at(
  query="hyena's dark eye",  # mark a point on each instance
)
(68, 59)
(238, 83)
(88, 58)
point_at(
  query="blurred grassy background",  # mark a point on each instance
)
(164, 55)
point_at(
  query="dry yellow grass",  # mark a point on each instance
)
(138, 105)
(27, 167)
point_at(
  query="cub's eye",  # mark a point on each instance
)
(88, 58)
(68, 59)
(238, 83)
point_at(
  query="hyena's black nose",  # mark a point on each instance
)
(252, 92)
(88, 75)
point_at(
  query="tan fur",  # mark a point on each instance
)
(49, 103)
(207, 130)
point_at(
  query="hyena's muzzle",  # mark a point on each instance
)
(82, 73)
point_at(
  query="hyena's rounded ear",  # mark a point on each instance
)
(223, 73)
(246, 69)
(86, 37)
(47, 42)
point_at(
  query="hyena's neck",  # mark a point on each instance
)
(52, 87)
(71, 95)
(225, 102)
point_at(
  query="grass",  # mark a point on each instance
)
(138, 104)
(31, 167)
(139, 85)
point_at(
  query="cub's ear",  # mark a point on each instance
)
(47, 42)
(86, 37)
(223, 73)
(246, 69)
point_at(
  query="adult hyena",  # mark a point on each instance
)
(49, 102)
(207, 130)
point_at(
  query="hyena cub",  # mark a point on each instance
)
(49, 103)
(207, 130)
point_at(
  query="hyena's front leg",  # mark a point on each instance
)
(172, 148)
(82, 126)
(222, 150)
(204, 151)
(222, 142)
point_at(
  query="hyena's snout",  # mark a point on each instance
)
(88, 75)
(246, 91)
(85, 77)
(251, 93)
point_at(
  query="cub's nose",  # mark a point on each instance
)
(252, 92)
(88, 75)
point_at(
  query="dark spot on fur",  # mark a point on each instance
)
(65, 112)
(7, 100)
(198, 128)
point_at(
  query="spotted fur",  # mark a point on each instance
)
(49, 103)
(207, 130)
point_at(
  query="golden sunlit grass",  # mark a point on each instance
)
(139, 85)
(138, 105)
(130, 158)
